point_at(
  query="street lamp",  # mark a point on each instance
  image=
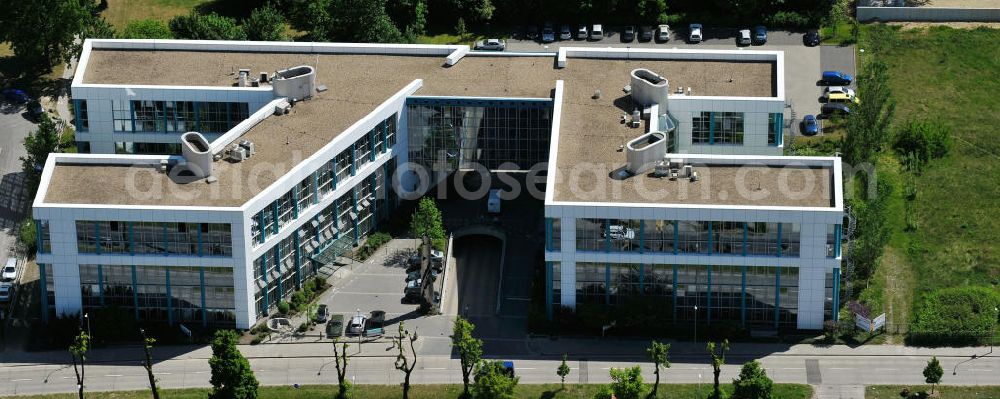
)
(86, 317)
(696, 324)
(993, 326)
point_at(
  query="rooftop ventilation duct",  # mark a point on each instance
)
(197, 154)
(649, 88)
(296, 83)
(643, 152)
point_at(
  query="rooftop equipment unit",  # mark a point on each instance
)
(244, 77)
(249, 146)
(197, 154)
(643, 152)
(238, 154)
(298, 82)
(649, 88)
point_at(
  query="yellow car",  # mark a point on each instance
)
(842, 98)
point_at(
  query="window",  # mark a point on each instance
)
(701, 127)
(325, 178)
(363, 150)
(343, 163)
(86, 237)
(590, 235)
(390, 134)
(790, 239)
(121, 114)
(833, 232)
(216, 239)
(45, 237)
(658, 235)
(728, 128)
(114, 237)
(82, 116)
(304, 191)
(286, 207)
(693, 237)
(775, 129)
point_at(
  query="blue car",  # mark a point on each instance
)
(810, 126)
(759, 35)
(16, 96)
(836, 78)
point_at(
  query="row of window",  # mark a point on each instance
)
(752, 295)
(729, 128)
(144, 238)
(81, 115)
(128, 147)
(177, 116)
(173, 294)
(321, 183)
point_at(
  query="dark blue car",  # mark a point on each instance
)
(810, 125)
(836, 78)
(759, 35)
(16, 96)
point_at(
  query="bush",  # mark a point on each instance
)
(146, 29)
(788, 19)
(283, 307)
(753, 383)
(626, 383)
(28, 236)
(372, 244)
(493, 382)
(925, 140)
(957, 315)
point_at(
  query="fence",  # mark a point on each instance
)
(928, 14)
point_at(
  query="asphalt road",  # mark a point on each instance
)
(14, 127)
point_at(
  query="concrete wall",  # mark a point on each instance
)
(928, 14)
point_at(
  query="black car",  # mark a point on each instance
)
(35, 110)
(628, 34)
(645, 33)
(811, 39)
(759, 35)
(831, 109)
(322, 313)
(335, 327)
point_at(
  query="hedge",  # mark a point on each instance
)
(956, 316)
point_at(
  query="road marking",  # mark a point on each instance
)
(526, 368)
(888, 369)
(113, 375)
(435, 368)
(986, 370)
(841, 368)
(165, 373)
(793, 368)
(21, 379)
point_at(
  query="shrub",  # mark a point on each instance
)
(788, 19)
(28, 236)
(753, 383)
(283, 307)
(493, 382)
(626, 383)
(957, 315)
(304, 326)
(925, 140)
(146, 29)
(372, 244)
(299, 299)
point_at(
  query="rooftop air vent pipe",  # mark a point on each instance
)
(643, 152)
(297, 83)
(197, 154)
(649, 88)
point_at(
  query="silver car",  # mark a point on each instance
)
(491, 45)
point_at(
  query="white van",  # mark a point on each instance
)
(10, 270)
(493, 202)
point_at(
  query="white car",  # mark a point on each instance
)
(695, 33)
(581, 34)
(9, 271)
(491, 45)
(356, 326)
(596, 32)
(663, 33)
(840, 89)
(6, 291)
(743, 38)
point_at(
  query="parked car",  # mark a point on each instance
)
(9, 270)
(836, 78)
(628, 34)
(322, 313)
(840, 89)
(491, 45)
(531, 33)
(565, 33)
(35, 110)
(335, 327)
(6, 291)
(694, 33)
(412, 291)
(759, 35)
(810, 126)
(16, 96)
(548, 34)
(743, 37)
(842, 98)
(356, 326)
(663, 33)
(830, 109)
(645, 33)
(811, 39)
(596, 32)
(581, 33)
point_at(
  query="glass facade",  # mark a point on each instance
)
(751, 295)
(131, 238)
(149, 116)
(457, 134)
(775, 129)
(128, 147)
(44, 236)
(318, 185)
(82, 115)
(173, 294)
(688, 237)
(718, 128)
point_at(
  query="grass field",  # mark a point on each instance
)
(950, 392)
(947, 75)
(120, 12)
(540, 391)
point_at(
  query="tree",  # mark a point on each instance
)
(753, 382)
(626, 383)
(659, 354)
(232, 377)
(718, 359)
(493, 381)
(146, 29)
(364, 21)
(469, 348)
(340, 362)
(42, 32)
(933, 373)
(426, 220)
(147, 346)
(210, 26)
(867, 126)
(78, 351)
(28, 235)
(405, 362)
(562, 371)
(38, 146)
(265, 24)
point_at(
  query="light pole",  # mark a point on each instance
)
(699, 386)
(696, 325)
(86, 317)
(993, 326)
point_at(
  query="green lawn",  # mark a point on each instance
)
(950, 76)
(121, 12)
(949, 392)
(547, 391)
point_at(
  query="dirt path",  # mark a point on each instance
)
(899, 285)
